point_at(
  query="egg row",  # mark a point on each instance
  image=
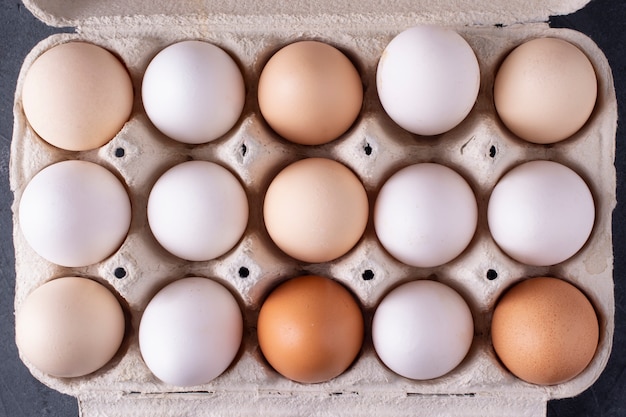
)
(310, 329)
(77, 96)
(315, 210)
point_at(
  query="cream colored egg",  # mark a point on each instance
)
(315, 210)
(77, 96)
(545, 90)
(69, 327)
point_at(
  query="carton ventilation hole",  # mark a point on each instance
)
(244, 272)
(492, 274)
(119, 273)
(368, 149)
(120, 152)
(492, 151)
(368, 275)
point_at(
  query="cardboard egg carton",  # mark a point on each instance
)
(480, 148)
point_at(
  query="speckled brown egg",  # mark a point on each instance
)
(545, 330)
(310, 329)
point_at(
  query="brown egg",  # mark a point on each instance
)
(545, 90)
(69, 327)
(77, 96)
(310, 93)
(310, 329)
(545, 330)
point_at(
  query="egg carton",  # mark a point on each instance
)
(481, 149)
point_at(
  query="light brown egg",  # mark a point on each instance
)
(310, 329)
(77, 96)
(545, 90)
(69, 327)
(545, 330)
(310, 93)
(316, 210)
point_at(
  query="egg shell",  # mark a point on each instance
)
(77, 96)
(425, 215)
(422, 329)
(193, 91)
(541, 213)
(70, 327)
(75, 213)
(545, 90)
(190, 331)
(545, 330)
(198, 210)
(315, 210)
(428, 79)
(310, 329)
(310, 93)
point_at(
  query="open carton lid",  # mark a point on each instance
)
(305, 13)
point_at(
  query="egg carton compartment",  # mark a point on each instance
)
(481, 149)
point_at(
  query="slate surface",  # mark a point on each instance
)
(23, 396)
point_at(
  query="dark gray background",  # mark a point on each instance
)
(21, 395)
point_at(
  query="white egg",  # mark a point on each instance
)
(190, 332)
(198, 210)
(541, 213)
(193, 92)
(425, 215)
(428, 79)
(422, 329)
(75, 213)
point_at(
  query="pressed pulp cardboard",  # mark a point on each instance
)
(480, 148)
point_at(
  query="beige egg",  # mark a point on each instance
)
(316, 210)
(310, 93)
(69, 327)
(545, 330)
(77, 96)
(545, 90)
